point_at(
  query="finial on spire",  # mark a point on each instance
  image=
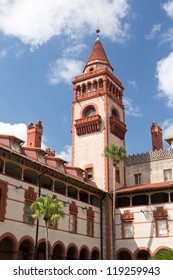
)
(97, 31)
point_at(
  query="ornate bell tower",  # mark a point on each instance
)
(97, 119)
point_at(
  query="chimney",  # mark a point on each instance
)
(156, 134)
(34, 134)
(170, 142)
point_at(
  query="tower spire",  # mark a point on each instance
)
(97, 32)
(98, 57)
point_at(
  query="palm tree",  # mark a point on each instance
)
(116, 154)
(50, 209)
(163, 254)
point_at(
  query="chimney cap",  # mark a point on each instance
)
(169, 141)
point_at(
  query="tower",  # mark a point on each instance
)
(156, 134)
(34, 134)
(97, 118)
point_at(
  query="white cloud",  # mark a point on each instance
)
(65, 154)
(19, 130)
(130, 108)
(167, 37)
(35, 22)
(64, 70)
(168, 7)
(3, 53)
(167, 128)
(74, 50)
(154, 30)
(133, 84)
(164, 75)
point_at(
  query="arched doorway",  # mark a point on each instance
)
(72, 253)
(7, 249)
(95, 254)
(58, 252)
(143, 255)
(124, 255)
(41, 251)
(84, 254)
(26, 250)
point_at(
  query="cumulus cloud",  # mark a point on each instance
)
(132, 83)
(167, 37)
(64, 70)
(168, 7)
(154, 30)
(19, 130)
(3, 53)
(130, 108)
(167, 127)
(74, 50)
(65, 153)
(35, 22)
(164, 75)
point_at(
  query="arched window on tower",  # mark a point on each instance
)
(89, 87)
(83, 88)
(90, 121)
(78, 90)
(115, 113)
(89, 111)
(95, 85)
(100, 83)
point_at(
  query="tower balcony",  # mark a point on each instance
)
(117, 127)
(88, 125)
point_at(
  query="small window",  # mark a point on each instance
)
(89, 87)
(41, 158)
(117, 175)
(72, 226)
(162, 227)
(167, 174)
(84, 89)
(115, 113)
(138, 179)
(90, 227)
(89, 173)
(27, 213)
(101, 84)
(95, 85)
(128, 232)
(15, 146)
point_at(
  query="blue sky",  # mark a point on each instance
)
(44, 44)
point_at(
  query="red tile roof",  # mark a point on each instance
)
(140, 188)
(98, 54)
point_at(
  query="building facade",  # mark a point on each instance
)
(143, 182)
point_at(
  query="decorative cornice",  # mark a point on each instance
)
(90, 213)
(147, 157)
(160, 212)
(127, 215)
(73, 208)
(30, 194)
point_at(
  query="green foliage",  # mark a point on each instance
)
(114, 152)
(163, 254)
(50, 209)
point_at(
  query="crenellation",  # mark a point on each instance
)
(147, 157)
